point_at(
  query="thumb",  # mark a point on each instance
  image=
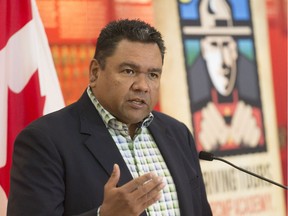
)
(115, 176)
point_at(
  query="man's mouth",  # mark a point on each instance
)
(137, 101)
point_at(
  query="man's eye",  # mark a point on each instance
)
(154, 75)
(214, 44)
(129, 72)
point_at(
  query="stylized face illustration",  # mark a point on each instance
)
(220, 54)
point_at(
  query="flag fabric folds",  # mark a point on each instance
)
(29, 87)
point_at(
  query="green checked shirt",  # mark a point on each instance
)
(142, 155)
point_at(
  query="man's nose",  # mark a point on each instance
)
(141, 82)
(226, 58)
(224, 65)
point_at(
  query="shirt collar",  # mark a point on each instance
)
(110, 120)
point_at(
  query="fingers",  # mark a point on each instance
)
(149, 192)
(214, 130)
(133, 197)
(244, 126)
(134, 184)
(150, 188)
(145, 187)
(114, 178)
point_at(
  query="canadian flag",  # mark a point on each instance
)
(29, 86)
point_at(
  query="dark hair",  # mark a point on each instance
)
(133, 30)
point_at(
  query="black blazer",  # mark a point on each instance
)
(71, 156)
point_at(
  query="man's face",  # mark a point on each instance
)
(128, 87)
(220, 54)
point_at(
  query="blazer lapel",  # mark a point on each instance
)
(99, 141)
(174, 160)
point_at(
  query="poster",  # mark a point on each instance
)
(219, 60)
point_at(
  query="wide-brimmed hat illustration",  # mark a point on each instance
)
(216, 19)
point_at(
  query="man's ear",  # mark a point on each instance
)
(93, 72)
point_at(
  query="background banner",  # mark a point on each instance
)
(219, 59)
(217, 76)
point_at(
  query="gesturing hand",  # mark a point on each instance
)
(132, 198)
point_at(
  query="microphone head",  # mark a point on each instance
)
(206, 156)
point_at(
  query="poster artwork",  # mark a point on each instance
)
(222, 76)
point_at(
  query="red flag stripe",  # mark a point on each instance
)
(14, 15)
(29, 86)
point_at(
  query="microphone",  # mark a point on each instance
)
(210, 157)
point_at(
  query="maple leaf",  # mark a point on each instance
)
(23, 108)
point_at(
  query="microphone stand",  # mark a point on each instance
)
(210, 157)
